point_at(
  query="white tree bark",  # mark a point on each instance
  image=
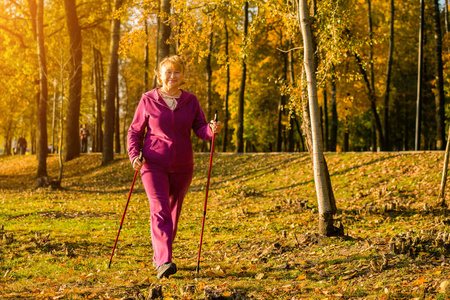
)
(325, 210)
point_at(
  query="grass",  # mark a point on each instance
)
(259, 240)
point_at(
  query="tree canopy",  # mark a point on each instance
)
(347, 56)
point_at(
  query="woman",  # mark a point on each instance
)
(161, 128)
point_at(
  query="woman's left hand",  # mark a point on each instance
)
(216, 126)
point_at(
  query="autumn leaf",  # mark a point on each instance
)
(420, 281)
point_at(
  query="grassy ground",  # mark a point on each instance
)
(259, 240)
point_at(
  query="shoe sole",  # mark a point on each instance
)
(167, 270)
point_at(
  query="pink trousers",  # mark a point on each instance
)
(165, 192)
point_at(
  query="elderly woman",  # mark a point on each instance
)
(161, 129)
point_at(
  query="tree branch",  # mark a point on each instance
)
(15, 34)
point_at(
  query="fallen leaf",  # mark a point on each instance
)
(419, 281)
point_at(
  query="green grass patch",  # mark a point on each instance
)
(260, 238)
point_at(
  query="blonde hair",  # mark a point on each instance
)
(172, 60)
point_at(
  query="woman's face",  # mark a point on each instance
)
(171, 75)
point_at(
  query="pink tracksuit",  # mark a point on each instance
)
(165, 139)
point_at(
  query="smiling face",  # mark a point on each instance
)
(171, 75)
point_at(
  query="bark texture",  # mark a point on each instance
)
(72, 147)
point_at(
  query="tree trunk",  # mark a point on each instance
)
(240, 129)
(419, 78)
(158, 32)
(33, 115)
(441, 196)
(447, 23)
(164, 30)
(111, 86)
(61, 130)
(117, 121)
(42, 150)
(227, 92)
(372, 98)
(209, 77)
(439, 75)
(320, 171)
(72, 147)
(388, 79)
(53, 121)
(334, 117)
(98, 80)
(326, 125)
(146, 59)
(371, 82)
(346, 139)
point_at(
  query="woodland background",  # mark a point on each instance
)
(382, 75)
(67, 63)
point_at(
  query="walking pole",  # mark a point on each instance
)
(125, 211)
(206, 197)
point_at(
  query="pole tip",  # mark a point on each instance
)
(109, 265)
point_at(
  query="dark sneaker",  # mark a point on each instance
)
(166, 270)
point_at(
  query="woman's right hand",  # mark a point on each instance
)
(137, 163)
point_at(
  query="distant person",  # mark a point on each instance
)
(161, 128)
(22, 145)
(14, 146)
(84, 133)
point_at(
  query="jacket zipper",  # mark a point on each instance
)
(173, 127)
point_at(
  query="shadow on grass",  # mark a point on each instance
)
(342, 172)
(250, 173)
(61, 214)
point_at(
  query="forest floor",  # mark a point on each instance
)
(260, 238)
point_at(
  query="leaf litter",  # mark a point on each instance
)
(260, 235)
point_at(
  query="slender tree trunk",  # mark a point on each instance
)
(33, 118)
(290, 58)
(111, 86)
(346, 135)
(164, 30)
(158, 32)
(388, 79)
(419, 78)
(374, 136)
(439, 75)
(326, 125)
(98, 78)
(447, 23)
(227, 92)
(240, 129)
(53, 121)
(42, 150)
(117, 121)
(125, 116)
(61, 129)
(281, 103)
(371, 82)
(320, 171)
(372, 98)
(72, 147)
(441, 196)
(146, 59)
(334, 117)
(209, 77)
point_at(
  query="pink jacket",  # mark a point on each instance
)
(167, 142)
